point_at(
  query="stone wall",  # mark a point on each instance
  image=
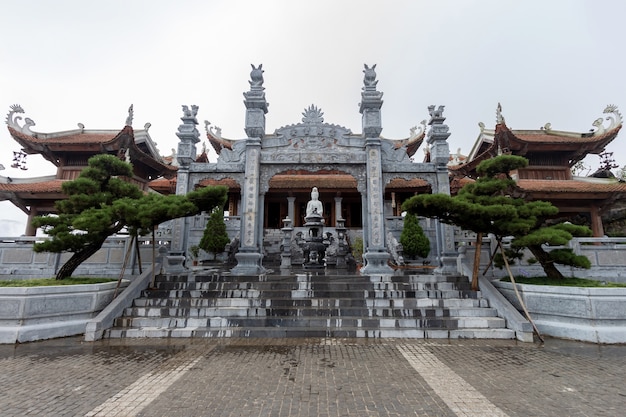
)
(37, 313)
(607, 257)
(17, 259)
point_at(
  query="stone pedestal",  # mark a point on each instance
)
(376, 263)
(248, 263)
(314, 248)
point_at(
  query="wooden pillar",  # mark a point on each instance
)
(30, 229)
(596, 222)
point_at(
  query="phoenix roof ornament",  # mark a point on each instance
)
(13, 119)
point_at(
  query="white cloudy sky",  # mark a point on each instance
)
(558, 61)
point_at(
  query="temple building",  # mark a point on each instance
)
(361, 178)
(551, 156)
(69, 152)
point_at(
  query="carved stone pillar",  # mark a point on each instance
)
(249, 258)
(376, 255)
(440, 155)
(189, 137)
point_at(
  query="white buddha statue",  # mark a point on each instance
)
(314, 206)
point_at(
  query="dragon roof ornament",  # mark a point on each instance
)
(13, 119)
(614, 117)
(415, 132)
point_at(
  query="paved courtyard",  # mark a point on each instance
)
(311, 377)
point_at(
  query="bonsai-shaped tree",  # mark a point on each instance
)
(100, 203)
(214, 239)
(495, 204)
(414, 241)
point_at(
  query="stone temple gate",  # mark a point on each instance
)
(270, 176)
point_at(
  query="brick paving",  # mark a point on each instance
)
(311, 377)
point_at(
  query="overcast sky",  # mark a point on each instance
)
(67, 62)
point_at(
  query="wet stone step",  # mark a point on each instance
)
(220, 305)
(283, 332)
(332, 322)
(310, 302)
(307, 312)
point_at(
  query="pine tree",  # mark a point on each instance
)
(214, 239)
(414, 241)
(495, 204)
(100, 203)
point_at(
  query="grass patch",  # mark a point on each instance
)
(48, 282)
(565, 282)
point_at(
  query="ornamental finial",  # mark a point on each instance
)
(129, 119)
(499, 117)
(369, 79)
(256, 77)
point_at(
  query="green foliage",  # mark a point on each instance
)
(357, 250)
(512, 256)
(214, 239)
(194, 252)
(414, 241)
(502, 164)
(100, 203)
(48, 282)
(563, 282)
(494, 204)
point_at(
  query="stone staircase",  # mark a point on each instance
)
(310, 305)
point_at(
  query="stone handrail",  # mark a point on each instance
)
(95, 328)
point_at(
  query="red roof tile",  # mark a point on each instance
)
(572, 186)
(53, 186)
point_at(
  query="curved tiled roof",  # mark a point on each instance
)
(51, 186)
(568, 186)
(51, 145)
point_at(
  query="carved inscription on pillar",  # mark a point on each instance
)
(251, 187)
(374, 196)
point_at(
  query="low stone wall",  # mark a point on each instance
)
(588, 314)
(37, 313)
(17, 259)
(607, 257)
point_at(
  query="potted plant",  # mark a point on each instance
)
(194, 252)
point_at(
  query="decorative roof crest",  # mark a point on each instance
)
(129, 119)
(499, 117)
(415, 131)
(616, 118)
(213, 131)
(12, 120)
(312, 115)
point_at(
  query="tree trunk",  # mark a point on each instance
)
(546, 263)
(476, 267)
(78, 258)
